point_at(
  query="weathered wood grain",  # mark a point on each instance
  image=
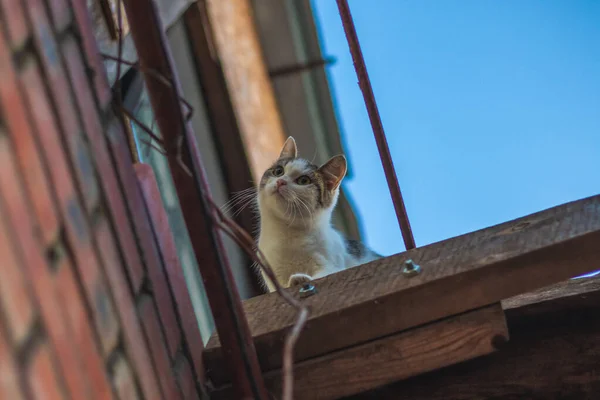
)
(237, 46)
(568, 288)
(459, 274)
(426, 348)
(553, 353)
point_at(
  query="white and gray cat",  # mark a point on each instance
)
(295, 200)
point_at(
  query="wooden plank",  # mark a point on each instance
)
(224, 299)
(395, 357)
(553, 353)
(238, 48)
(173, 269)
(568, 288)
(459, 274)
(226, 131)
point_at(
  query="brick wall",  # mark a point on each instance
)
(93, 303)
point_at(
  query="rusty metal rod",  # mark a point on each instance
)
(180, 144)
(384, 151)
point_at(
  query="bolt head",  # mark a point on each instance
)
(410, 268)
(307, 289)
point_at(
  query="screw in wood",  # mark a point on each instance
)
(307, 290)
(410, 268)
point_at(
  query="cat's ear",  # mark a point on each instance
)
(333, 171)
(289, 149)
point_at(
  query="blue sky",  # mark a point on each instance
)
(491, 109)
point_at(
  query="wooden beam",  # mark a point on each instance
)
(426, 348)
(239, 52)
(553, 353)
(154, 53)
(460, 274)
(224, 124)
(173, 269)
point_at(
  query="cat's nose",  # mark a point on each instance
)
(280, 183)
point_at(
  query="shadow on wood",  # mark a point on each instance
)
(395, 357)
(553, 353)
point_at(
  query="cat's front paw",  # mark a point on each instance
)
(299, 279)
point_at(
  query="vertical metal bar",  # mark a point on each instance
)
(384, 151)
(179, 141)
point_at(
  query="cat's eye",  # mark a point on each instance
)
(277, 171)
(303, 180)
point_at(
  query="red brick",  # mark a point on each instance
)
(49, 137)
(107, 173)
(185, 379)
(63, 103)
(158, 349)
(14, 18)
(38, 273)
(17, 214)
(72, 303)
(63, 342)
(61, 13)
(124, 381)
(43, 377)
(9, 388)
(136, 346)
(76, 224)
(104, 310)
(174, 272)
(15, 296)
(20, 131)
(94, 60)
(76, 73)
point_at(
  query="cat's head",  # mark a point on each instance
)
(297, 191)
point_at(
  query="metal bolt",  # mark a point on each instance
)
(410, 268)
(307, 290)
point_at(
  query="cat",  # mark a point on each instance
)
(295, 202)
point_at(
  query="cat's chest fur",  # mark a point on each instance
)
(315, 253)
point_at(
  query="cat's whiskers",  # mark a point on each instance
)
(242, 193)
(310, 214)
(294, 204)
(242, 207)
(287, 209)
(227, 207)
(238, 207)
(290, 204)
(239, 200)
(236, 200)
(237, 194)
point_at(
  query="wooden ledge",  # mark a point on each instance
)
(553, 353)
(362, 304)
(382, 361)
